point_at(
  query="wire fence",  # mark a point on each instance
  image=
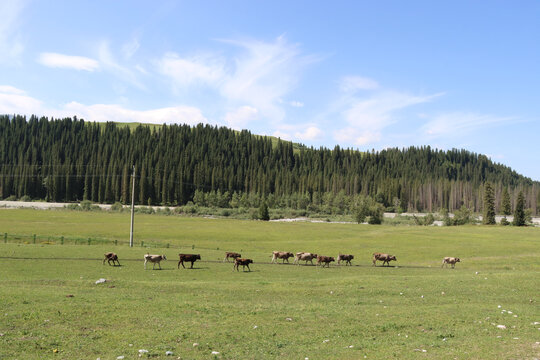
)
(37, 239)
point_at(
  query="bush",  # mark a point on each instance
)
(225, 212)
(25, 198)
(505, 222)
(86, 205)
(11, 198)
(427, 220)
(117, 206)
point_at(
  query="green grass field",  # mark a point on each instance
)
(51, 306)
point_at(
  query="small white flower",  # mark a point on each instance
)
(195, 344)
(215, 352)
(400, 293)
(351, 346)
(325, 341)
(509, 312)
(143, 351)
(120, 357)
(288, 319)
(503, 327)
(169, 353)
(255, 326)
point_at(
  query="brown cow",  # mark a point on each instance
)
(188, 258)
(385, 258)
(450, 260)
(110, 256)
(324, 259)
(346, 258)
(281, 255)
(232, 255)
(304, 256)
(243, 262)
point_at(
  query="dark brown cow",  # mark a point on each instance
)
(385, 258)
(304, 256)
(231, 255)
(346, 258)
(325, 260)
(188, 258)
(281, 255)
(450, 260)
(243, 262)
(110, 256)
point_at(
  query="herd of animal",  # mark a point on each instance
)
(322, 260)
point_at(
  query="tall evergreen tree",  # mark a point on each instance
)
(489, 205)
(506, 205)
(519, 213)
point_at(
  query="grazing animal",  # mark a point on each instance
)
(385, 258)
(188, 258)
(450, 260)
(304, 256)
(154, 259)
(243, 262)
(346, 258)
(110, 256)
(281, 255)
(232, 255)
(325, 260)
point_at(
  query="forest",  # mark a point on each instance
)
(69, 160)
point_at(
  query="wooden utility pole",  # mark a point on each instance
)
(132, 207)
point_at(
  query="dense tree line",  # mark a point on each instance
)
(72, 160)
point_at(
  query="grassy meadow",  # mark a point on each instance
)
(51, 306)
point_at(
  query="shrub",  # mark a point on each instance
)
(11, 198)
(25, 198)
(86, 205)
(225, 212)
(505, 222)
(117, 206)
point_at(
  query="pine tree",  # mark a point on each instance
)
(519, 213)
(263, 212)
(489, 205)
(506, 205)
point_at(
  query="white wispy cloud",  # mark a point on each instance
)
(11, 44)
(369, 113)
(311, 133)
(461, 123)
(200, 69)
(297, 104)
(241, 117)
(16, 101)
(259, 74)
(56, 60)
(354, 83)
(130, 48)
(109, 63)
(113, 112)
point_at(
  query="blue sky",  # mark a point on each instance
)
(361, 74)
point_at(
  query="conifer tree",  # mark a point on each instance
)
(263, 212)
(506, 205)
(489, 205)
(519, 213)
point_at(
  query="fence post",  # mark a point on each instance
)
(34, 238)
(115, 242)
(142, 243)
(5, 237)
(192, 247)
(89, 241)
(167, 245)
(62, 240)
